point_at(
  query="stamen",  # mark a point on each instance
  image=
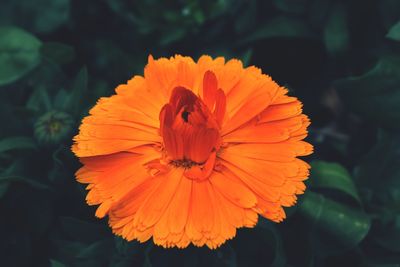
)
(184, 163)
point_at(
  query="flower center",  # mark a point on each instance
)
(190, 127)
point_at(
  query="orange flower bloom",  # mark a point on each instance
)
(192, 151)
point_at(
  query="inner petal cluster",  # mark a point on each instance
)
(190, 128)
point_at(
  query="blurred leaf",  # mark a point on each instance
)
(389, 236)
(280, 27)
(381, 164)
(99, 249)
(332, 176)
(248, 17)
(246, 57)
(172, 35)
(67, 250)
(39, 100)
(19, 54)
(17, 142)
(58, 52)
(394, 32)
(318, 12)
(336, 34)
(78, 88)
(3, 188)
(332, 220)
(279, 259)
(375, 94)
(54, 263)
(41, 16)
(81, 230)
(389, 12)
(291, 6)
(18, 179)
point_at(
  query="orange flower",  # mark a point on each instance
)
(192, 151)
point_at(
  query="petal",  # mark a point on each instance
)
(277, 152)
(157, 202)
(294, 128)
(248, 98)
(163, 74)
(113, 176)
(202, 212)
(281, 111)
(233, 189)
(229, 75)
(112, 127)
(210, 86)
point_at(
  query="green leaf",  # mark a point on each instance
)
(77, 89)
(375, 95)
(39, 100)
(3, 188)
(247, 18)
(291, 6)
(41, 16)
(280, 27)
(266, 225)
(17, 142)
(332, 176)
(58, 52)
(340, 227)
(383, 163)
(19, 54)
(96, 250)
(389, 236)
(318, 11)
(81, 230)
(19, 179)
(246, 57)
(394, 32)
(336, 34)
(54, 263)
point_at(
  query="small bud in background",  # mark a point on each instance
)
(53, 127)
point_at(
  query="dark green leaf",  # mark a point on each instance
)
(292, 6)
(394, 32)
(381, 164)
(389, 236)
(81, 230)
(54, 263)
(318, 13)
(279, 259)
(99, 249)
(17, 142)
(78, 88)
(39, 100)
(336, 35)
(58, 52)
(280, 27)
(3, 188)
(18, 179)
(41, 16)
(375, 94)
(332, 220)
(19, 54)
(332, 176)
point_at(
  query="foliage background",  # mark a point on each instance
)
(341, 58)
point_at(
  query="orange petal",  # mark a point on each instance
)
(210, 86)
(233, 189)
(156, 204)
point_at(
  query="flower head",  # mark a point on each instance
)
(192, 151)
(53, 127)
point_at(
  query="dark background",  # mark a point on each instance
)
(341, 58)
